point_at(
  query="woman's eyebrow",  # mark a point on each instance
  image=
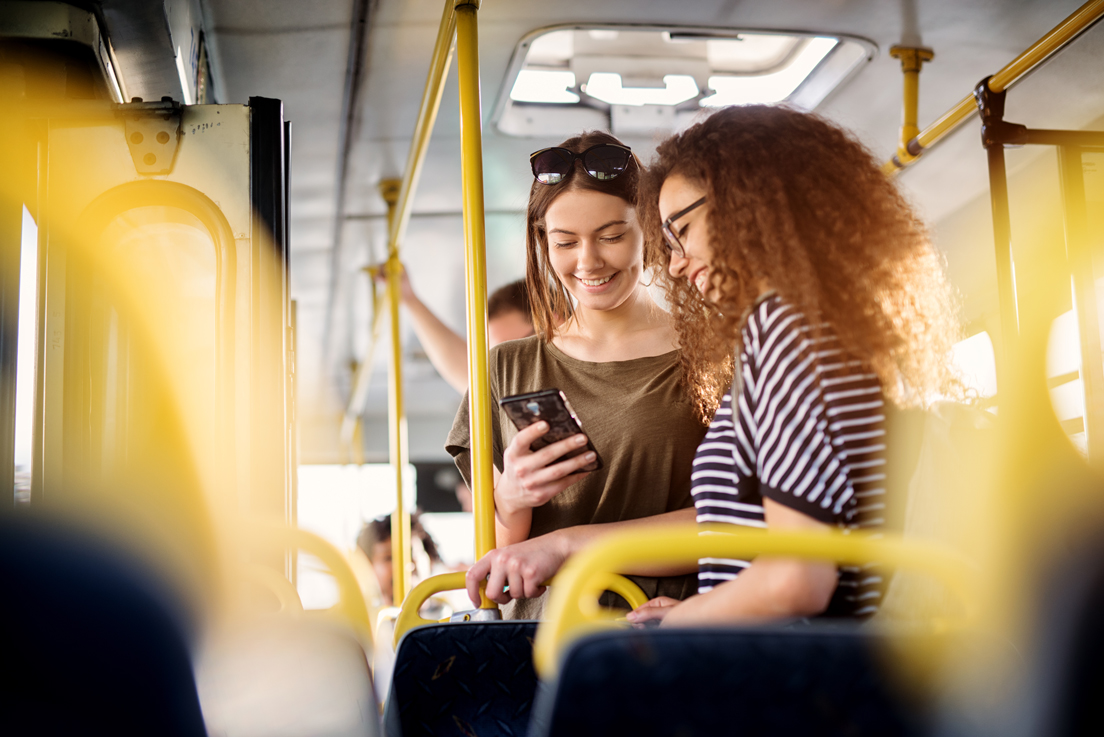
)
(610, 224)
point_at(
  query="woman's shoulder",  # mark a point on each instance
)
(513, 350)
(771, 312)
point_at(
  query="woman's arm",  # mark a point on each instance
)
(526, 565)
(770, 588)
(447, 351)
(530, 479)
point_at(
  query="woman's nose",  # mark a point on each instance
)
(589, 256)
(678, 263)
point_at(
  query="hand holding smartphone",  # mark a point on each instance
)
(551, 406)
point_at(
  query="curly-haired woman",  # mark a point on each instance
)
(790, 251)
(604, 342)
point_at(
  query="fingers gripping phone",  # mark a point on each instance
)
(551, 406)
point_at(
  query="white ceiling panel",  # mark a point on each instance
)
(298, 51)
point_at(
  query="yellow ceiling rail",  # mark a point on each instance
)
(396, 227)
(912, 58)
(573, 609)
(1012, 72)
(423, 128)
(475, 243)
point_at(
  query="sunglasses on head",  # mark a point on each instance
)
(604, 161)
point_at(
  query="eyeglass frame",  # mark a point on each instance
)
(579, 157)
(674, 243)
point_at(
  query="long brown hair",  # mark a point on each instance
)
(800, 204)
(548, 297)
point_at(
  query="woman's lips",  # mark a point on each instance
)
(700, 279)
(599, 284)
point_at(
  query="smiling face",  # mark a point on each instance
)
(595, 247)
(692, 229)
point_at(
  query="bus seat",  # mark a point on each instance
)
(807, 680)
(464, 678)
(277, 676)
(90, 643)
(1065, 670)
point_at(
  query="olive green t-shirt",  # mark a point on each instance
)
(637, 415)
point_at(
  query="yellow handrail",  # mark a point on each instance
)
(409, 617)
(354, 408)
(573, 609)
(350, 597)
(479, 402)
(1012, 72)
(398, 447)
(398, 216)
(423, 127)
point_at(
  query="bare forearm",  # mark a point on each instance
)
(511, 525)
(512, 529)
(447, 351)
(576, 538)
(767, 589)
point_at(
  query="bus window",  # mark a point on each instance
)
(25, 367)
(976, 363)
(172, 249)
(1064, 378)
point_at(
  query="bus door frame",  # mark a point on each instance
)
(258, 352)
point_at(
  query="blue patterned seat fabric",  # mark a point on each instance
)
(471, 679)
(804, 680)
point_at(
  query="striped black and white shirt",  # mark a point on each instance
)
(809, 433)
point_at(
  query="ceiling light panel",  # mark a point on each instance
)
(600, 73)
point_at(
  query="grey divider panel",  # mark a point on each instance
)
(804, 680)
(470, 678)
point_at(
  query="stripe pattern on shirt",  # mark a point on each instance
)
(808, 433)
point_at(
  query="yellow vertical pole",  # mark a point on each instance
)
(911, 61)
(396, 416)
(471, 147)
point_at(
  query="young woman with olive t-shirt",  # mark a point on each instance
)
(614, 355)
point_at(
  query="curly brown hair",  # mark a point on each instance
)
(801, 205)
(548, 297)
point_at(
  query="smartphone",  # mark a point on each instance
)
(551, 406)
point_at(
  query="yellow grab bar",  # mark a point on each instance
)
(1012, 72)
(423, 127)
(573, 609)
(409, 618)
(625, 587)
(471, 153)
(398, 447)
(350, 597)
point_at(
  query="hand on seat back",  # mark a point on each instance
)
(523, 567)
(656, 608)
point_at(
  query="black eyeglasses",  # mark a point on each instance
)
(669, 233)
(604, 161)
